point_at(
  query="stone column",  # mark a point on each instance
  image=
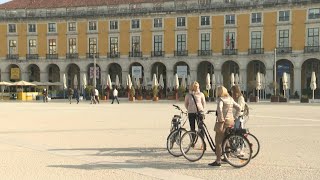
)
(296, 81)
(124, 78)
(243, 75)
(270, 79)
(44, 76)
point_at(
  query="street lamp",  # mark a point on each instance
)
(275, 71)
(94, 70)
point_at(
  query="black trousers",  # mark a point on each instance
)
(115, 97)
(192, 121)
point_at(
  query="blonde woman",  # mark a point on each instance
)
(238, 98)
(189, 102)
(224, 119)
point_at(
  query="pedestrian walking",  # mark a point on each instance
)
(96, 95)
(45, 95)
(115, 95)
(70, 94)
(76, 95)
(92, 92)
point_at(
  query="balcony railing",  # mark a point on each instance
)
(32, 56)
(256, 51)
(284, 50)
(135, 54)
(204, 52)
(157, 53)
(311, 49)
(13, 56)
(181, 53)
(113, 55)
(229, 51)
(92, 55)
(72, 55)
(52, 56)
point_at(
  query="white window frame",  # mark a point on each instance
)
(306, 32)
(88, 40)
(235, 38)
(131, 24)
(135, 34)
(290, 16)
(68, 45)
(16, 32)
(225, 20)
(185, 24)
(109, 43)
(17, 44)
(200, 20)
(256, 23)
(162, 23)
(312, 19)
(256, 29)
(56, 27)
(97, 27)
(36, 28)
(48, 47)
(118, 25)
(278, 35)
(176, 39)
(158, 34)
(205, 31)
(28, 44)
(76, 26)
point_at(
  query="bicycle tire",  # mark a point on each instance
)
(254, 143)
(236, 150)
(173, 142)
(192, 146)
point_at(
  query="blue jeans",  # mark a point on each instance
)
(238, 124)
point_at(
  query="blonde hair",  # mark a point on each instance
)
(236, 92)
(194, 86)
(222, 92)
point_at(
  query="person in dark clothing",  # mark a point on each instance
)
(76, 95)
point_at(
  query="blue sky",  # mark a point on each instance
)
(3, 1)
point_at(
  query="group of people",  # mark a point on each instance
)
(226, 116)
(94, 94)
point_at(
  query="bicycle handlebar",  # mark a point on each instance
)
(177, 107)
(211, 111)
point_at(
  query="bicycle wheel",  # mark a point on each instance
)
(173, 142)
(192, 146)
(254, 143)
(236, 150)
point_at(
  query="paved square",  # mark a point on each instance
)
(57, 140)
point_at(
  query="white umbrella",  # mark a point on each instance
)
(3, 83)
(213, 81)
(313, 83)
(218, 79)
(109, 83)
(169, 85)
(161, 83)
(75, 81)
(236, 79)
(208, 86)
(232, 79)
(183, 82)
(189, 80)
(23, 83)
(258, 81)
(176, 81)
(64, 81)
(284, 83)
(138, 82)
(145, 82)
(129, 81)
(84, 80)
(154, 81)
(117, 81)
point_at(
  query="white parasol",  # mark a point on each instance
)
(23, 83)
(138, 82)
(218, 79)
(145, 82)
(117, 81)
(213, 81)
(232, 79)
(258, 81)
(236, 79)
(208, 86)
(176, 81)
(313, 83)
(75, 81)
(154, 81)
(161, 83)
(129, 82)
(183, 82)
(109, 83)
(84, 80)
(169, 85)
(64, 81)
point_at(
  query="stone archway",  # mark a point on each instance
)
(33, 73)
(72, 71)
(182, 69)
(227, 68)
(114, 70)
(204, 68)
(90, 75)
(309, 66)
(159, 68)
(253, 68)
(285, 65)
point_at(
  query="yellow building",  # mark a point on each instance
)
(43, 40)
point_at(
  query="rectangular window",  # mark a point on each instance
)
(157, 23)
(230, 19)
(32, 28)
(283, 38)
(114, 45)
(52, 46)
(135, 24)
(135, 44)
(284, 16)
(181, 22)
(92, 26)
(52, 27)
(256, 18)
(255, 40)
(157, 43)
(72, 45)
(205, 20)
(113, 25)
(313, 37)
(205, 41)
(72, 26)
(93, 45)
(181, 42)
(230, 40)
(12, 28)
(32, 46)
(13, 47)
(314, 13)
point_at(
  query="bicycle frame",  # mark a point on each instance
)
(202, 127)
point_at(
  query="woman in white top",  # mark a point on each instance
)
(238, 98)
(190, 105)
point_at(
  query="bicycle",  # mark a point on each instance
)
(235, 146)
(176, 131)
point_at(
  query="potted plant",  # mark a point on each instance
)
(139, 94)
(206, 95)
(88, 91)
(132, 94)
(181, 93)
(304, 99)
(282, 98)
(155, 91)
